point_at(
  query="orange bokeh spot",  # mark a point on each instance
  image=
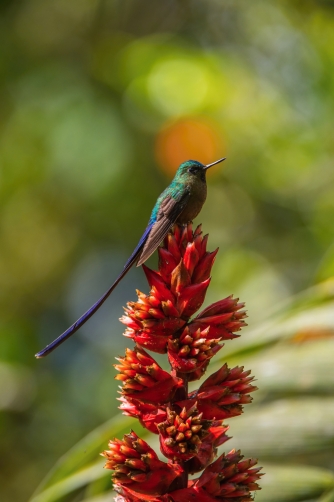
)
(312, 334)
(185, 139)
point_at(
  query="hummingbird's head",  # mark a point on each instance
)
(194, 169)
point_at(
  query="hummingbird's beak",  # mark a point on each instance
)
(213, 163)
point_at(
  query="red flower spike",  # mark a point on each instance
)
(139, 467)
(144, 379)
(190, 425)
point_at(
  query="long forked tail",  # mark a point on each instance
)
(88, 314)
(84, 318)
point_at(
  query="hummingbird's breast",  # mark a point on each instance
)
(196, 200)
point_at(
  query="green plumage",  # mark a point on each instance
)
(185, 182)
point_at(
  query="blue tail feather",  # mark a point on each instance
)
(88, 314)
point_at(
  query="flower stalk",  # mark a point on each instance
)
(189, 424)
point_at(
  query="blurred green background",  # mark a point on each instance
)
(100, 100)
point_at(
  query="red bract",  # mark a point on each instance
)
(222, 394)
(190, 425)
(181, 435)
(148, 414)
(229, 478)
(208, 449)
(223, 318)
(190, 352)
(128, 495)
(137, 467)
(144, 379)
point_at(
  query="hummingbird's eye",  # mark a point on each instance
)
(192, 170)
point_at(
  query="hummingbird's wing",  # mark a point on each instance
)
(169, 211)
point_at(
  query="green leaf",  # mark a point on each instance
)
(296, 318)
(291, 483)
(328, 497)
(70, 484)
(69, 472)
(106, 497)
(285, 428)
(292, 369)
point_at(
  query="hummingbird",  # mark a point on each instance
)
(179, 203)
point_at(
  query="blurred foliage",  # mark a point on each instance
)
(99, 102)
